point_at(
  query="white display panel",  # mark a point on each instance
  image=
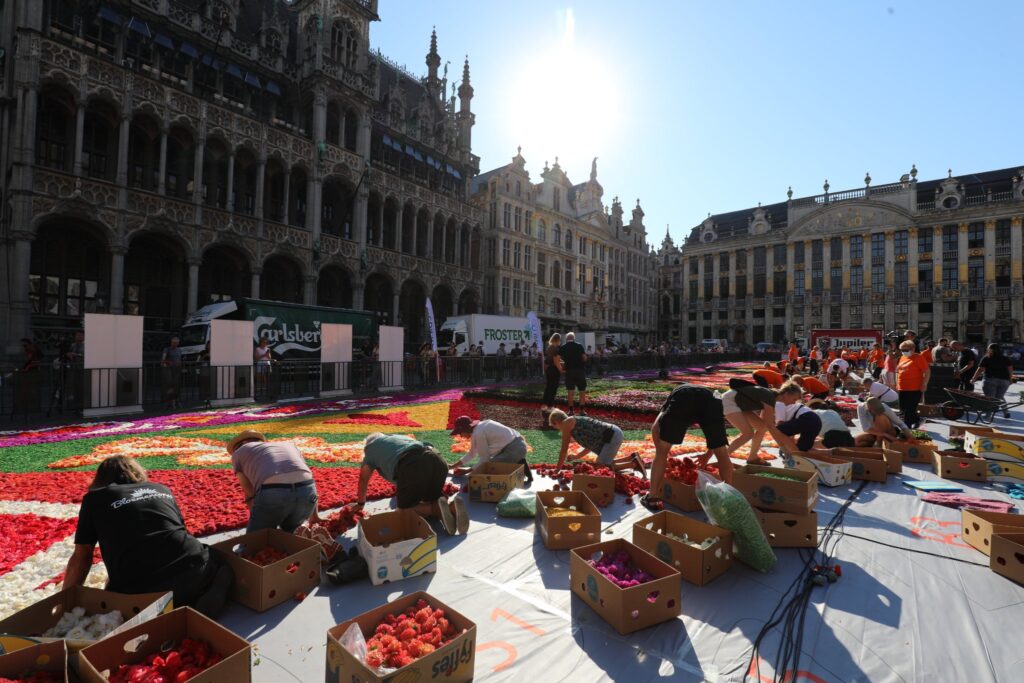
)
(113, 341)
(335, 343)
(230, 342)
(390, 351)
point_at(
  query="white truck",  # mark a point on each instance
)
(492, 330)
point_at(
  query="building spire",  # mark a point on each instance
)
(465, 88)
(433, 61)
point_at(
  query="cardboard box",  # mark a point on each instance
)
(978, 526)
(260, 588)
(1007, 556)
(918, 453)
(956, 431)
(453, 662)
(23, 629)
(135, 644)
(601, 490)
(45, 657)
(696, 565)
(491, 481)
(797, 496)
(995, 445)
(893, 460)
(397, 545)
(831, 471)
(960, 465)
(785, 530)
(626, 609)
(868, 463)
(564, 533)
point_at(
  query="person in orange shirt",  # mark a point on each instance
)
(912, 375)
(766, 377)
(794, 352)
(875, 360)
(832, 355)
(813, 386)
(862, 358)
(927, 353)
(814, 355)
(782, 365)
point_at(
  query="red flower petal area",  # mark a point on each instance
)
(462, 406)
(45, 487)
(22, 536)
(396, 419)
(626, 484)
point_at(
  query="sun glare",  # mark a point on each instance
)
(564, 101)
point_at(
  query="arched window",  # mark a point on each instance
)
(556, 275)
(542, 231)
(568, 308)
(556, 235)
(568, 239)
(556, 306)
(540, 304)
(344, 44)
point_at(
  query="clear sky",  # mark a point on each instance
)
(698, 107)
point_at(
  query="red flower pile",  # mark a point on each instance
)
(626, 484)
(685, 470)
(191, 657)
(25, 535)
(620, 570)
(266, 556)
(343, 520)
(462, 406)
(403, 638)
(37, 677)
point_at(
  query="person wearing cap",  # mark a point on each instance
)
(278, 484)
(491, 441)
(418, 472)
(748, 408)
(602, 438)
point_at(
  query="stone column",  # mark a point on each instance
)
(363, 136)
(312, 220)
(380, 224)
(309, 290)
(286, 195)
(913, 319)
(193, 284)
(360, 219)
(444, 243)
(28, 132)
(358, 296)
(230, 201)
(261, 173)
(254, 286)
(430, 236)
(398, 228)
(161, 187)
(197, 173)
(20, 308)
(117, 279)
(395, 302)
(700, 282)
(79, 137)
(122, 150)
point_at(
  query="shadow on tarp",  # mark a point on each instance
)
(553, 565)
(659, 653)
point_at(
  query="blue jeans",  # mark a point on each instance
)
(283, 508)
(995, 388)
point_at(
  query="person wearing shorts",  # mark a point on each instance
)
(491, 441)
(686, 405)
(797, 426)
(601, 438)
(574, 360)
(750, 418)
(553, 370)
(834, 431)
(418, 472)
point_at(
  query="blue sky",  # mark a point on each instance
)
(698, 107)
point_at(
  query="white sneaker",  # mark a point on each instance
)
(447, 518)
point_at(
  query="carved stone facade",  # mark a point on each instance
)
(942, 257)
(163, 154)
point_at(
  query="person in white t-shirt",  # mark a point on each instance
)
(491, 441)
(794, 419)
(883, 393)
(834, 431)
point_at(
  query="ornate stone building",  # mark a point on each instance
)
(943, 257)
(555, 248)
(163, 154)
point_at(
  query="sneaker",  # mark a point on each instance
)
(447, 518)
(652, 504)
(461, 516)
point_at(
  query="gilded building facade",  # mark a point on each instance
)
(554, 247)
(942, 257)
(163, 154)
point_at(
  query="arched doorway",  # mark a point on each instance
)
(379, 297)
(144, 152)
(333, 288)
(224, 275)
(469, 302)
(412, 303)
(442, 299)
(156, 281)
(281, 280)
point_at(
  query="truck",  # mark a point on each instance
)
(492, 330)
(293, 329)
(826, 339)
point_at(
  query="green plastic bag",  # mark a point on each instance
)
(726, 507)
(518, 503)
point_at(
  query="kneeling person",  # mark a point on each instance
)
(492, 441)
(603, 438)
(418, 472)
(794, 420)
(834, 431)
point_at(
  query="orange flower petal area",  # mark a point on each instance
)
(199, 451)
(460, 444)
(428, 417)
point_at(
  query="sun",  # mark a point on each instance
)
(564, 101)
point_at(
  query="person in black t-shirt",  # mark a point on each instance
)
(998, 371)
(553, 369)
(966, 363)
(143, 540)
(574, 359)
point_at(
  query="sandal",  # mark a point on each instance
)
(652, 504)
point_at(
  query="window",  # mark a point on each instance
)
(857, 246)
(878, 277)
(798, 252)
(568, 309)
(976, 272)
(556, 306)
(557, 198)
(976, 236)
(582, 278)
(506, 252)
(516, 293)
(556, 275)
(950, 274)
(900, 242)
(1003, 233)
(951, 307)
(924, 307)
(816, 251)
(924, 240)
(527, 295)
(741, 286)
(527, 257)
(506, 216)
(519, 188)
(517, 256)
(778, 284)
(924, 276)
(878, 247)
(693, 290)
(568, 239)
(541, 304)
(779, 255)
(798, 283)
(950, 242)
(723, 262)
(856, 281)
(836, 280)
(568, 276)
(694, 266)
(583, 310)
(542, 231)
(344, 44)
(542, 268)
(556, 235)
(901, 280)
(504, 291)
(1002, 275)
(817, 278)
(518, 219)
(878, 315)
(528, 223)
(723, 286)
(836, 249)
(760, 258)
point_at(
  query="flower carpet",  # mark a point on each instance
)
(44, 473)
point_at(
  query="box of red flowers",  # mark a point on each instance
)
(397, 545)
(69, 615)
(678, 487)
(270, 567)
(601, 490)
(630, 588)
(700, 552)
(566, 519)
(44, 663)
(491, 481)
(182, 645)
(416, 637)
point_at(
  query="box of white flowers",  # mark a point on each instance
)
(81, 616)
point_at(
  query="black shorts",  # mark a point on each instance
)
(807, 425)
(761, 381)
(837, 438)
(576, 379)
(420, 477)
(702, 408)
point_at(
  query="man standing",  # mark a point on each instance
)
(516, 356)
(574, 360)
(491, 441)
(500, 356)
(966, 361)
(170, 363)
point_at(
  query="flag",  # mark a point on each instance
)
(531, 317)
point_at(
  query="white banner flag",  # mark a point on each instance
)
(430, 322)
